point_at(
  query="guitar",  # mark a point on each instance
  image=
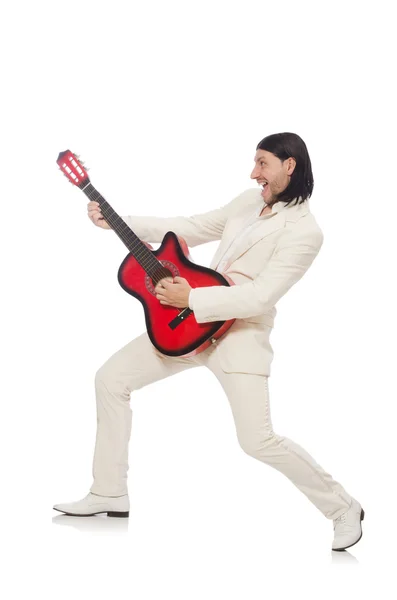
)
(173, 331)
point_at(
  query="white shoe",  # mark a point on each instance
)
(93, 505)
(347, 527)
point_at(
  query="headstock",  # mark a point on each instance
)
(72, 168)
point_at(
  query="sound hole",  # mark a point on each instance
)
(161, 274)
(168, 269)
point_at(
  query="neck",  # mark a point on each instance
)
(138, 249)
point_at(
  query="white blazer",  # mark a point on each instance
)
(264, 265)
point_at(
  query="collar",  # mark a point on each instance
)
(280, 206)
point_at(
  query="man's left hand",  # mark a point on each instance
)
(173, 293)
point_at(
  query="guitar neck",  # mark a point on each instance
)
(139, 250)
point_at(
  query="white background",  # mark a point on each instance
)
(166, 103)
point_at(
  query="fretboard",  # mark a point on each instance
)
(139, 250)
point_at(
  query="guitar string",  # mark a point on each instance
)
(139, 253)
(94, 195)
(91, 195)
(125, 228)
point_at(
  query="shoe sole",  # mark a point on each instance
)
(110, 513)
(342, 549)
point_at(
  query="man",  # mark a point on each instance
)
(269, 238)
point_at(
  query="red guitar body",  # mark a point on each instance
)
(169, 330)
(173, 331)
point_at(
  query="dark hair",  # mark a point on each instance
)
(284, 145)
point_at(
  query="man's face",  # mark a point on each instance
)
(270, 169)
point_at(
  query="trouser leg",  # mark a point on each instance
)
(132, 367)
(248, 395)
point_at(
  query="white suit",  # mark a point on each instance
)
(270, 256)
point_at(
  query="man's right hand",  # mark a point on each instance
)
(95, 214)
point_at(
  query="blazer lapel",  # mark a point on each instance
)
(260, 231)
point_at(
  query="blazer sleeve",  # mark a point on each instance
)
(196, 229)
(284, 269)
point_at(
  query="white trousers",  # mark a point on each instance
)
(139, 363)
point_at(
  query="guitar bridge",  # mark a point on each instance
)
(179, 318)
